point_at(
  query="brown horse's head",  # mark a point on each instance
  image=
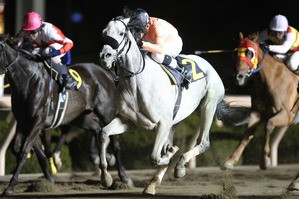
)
(247, 57)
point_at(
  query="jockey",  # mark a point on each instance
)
(283, 41)
(48, 41)
(161, 39)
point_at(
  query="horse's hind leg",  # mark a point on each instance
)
(46, 139)
(208, 109)
(61, 140)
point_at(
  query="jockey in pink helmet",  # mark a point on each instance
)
(48, 41)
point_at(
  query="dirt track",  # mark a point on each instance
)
(202, 183)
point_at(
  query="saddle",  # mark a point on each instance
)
(187, 72)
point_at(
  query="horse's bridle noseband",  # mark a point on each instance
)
(113, 43)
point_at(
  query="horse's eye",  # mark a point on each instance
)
(122, 34)
(249, 53)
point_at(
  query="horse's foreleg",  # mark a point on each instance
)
(168, 152)
(42, 160)
(116, 126)
(294, 186)
(275, 143)
(17, 142)
(280, 119)
(26, 147)
(248, 135)
(161, 138)
(121, 170)
(156, 180)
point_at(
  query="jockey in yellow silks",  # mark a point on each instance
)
(284, 41)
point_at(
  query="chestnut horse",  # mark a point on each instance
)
(34, 99)
(274, 96)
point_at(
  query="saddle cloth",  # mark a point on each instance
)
(176, 77)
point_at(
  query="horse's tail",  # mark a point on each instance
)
(232, 115)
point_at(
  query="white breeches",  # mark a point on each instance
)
(45, 51)
(172, 49)
(293, 61)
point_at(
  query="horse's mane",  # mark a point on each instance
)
(25, 49)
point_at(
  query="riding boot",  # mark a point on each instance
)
(187, 74)
(69, 81)
(63, 77)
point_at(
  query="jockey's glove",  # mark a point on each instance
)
(264, 46)
(54, 53)
(139, 43)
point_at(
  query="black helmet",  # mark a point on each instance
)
(142, 16)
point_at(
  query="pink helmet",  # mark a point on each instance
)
(32, 21)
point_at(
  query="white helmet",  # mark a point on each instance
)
(279, 23)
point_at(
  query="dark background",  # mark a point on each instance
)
(203, 24)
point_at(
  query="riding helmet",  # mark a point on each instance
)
(32, 21)
(143, 16)
(279, 23)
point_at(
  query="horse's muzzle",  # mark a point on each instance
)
(241, 79)
(107, 58)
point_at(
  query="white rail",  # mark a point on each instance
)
(5, 106)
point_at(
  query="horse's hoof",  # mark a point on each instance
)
(150, 189)
(180, 169)
(7, 192)
(57, 160)
(294, 186)
(228, 165)
(106, 179)
(265, 165)
(180, 172)
(129, 182)
(112, 161)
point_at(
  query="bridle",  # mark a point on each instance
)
(248, 45)
(9, 65)
(120, 50)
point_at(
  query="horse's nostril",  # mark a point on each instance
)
(240, 76)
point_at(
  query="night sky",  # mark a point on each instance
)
(202, 24)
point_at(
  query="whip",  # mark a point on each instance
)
(199, 52)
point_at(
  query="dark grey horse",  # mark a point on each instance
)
(32, 100)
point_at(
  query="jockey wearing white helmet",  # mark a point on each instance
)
(283, 41)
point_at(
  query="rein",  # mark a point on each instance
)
(7, 68)
(108, 40)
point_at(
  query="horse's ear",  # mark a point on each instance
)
(255, 36)
(126, 20)
(241, 35)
